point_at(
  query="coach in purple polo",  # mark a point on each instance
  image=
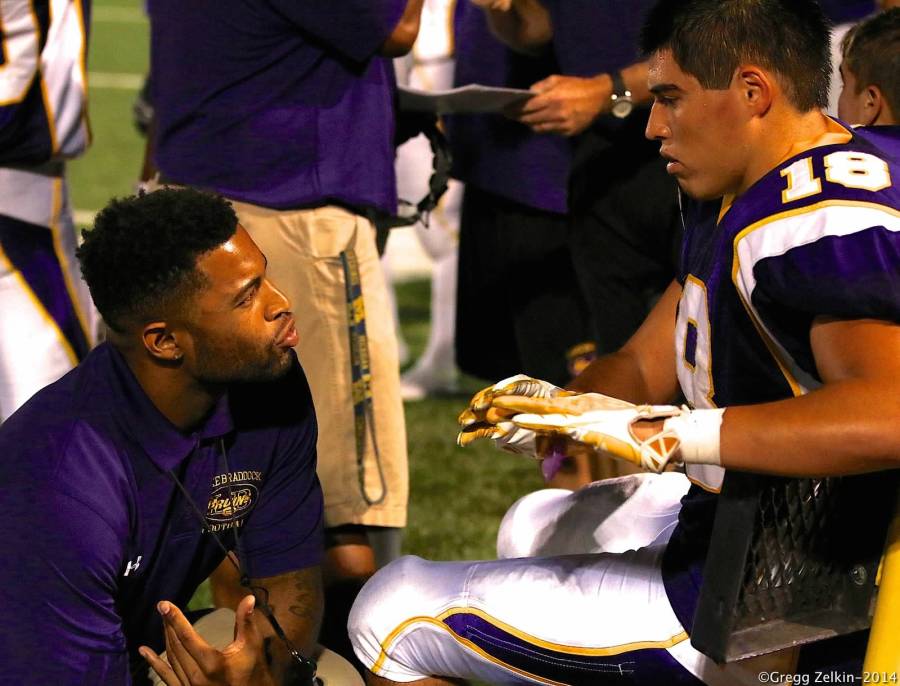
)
(191, 427)
(286, 108)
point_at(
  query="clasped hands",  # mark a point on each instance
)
(533, 417)
(191, 661)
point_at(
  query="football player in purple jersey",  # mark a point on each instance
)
(47, 323)
(870, 71)
(781, 330)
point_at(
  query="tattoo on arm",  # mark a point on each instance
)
(301, 593)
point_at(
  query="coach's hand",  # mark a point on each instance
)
(481, 419)
(564, 105)
(191, 661)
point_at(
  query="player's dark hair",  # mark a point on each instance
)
(871, 51)
(139, 260)
(711, 38)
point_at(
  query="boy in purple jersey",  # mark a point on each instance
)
(189, 433)
(782, 330)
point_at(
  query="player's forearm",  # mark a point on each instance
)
(525, 27)
(618, 375)
(843, 428)
(643, 371)
(405, 33)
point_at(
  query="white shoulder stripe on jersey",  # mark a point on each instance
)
(779, 233)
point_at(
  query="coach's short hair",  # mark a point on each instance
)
(711, 38)
(871, 52)
(139, 260)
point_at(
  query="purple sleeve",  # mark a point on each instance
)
(57, 584)
(284, 531)
(852, 276)
(355, 28)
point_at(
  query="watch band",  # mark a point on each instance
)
(621, 103)
(618, 86)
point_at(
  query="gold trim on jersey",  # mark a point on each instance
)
(45, 93)
(705, 486)
(63, 259)
(533, 640)
(85, 118)
(39, 307)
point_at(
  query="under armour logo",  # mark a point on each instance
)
(132, 566)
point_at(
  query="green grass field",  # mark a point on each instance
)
(457, 496)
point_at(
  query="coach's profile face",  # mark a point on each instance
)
(704, 134)
(239, 327)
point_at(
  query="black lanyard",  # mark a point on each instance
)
(303, 672)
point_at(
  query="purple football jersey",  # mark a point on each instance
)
(97, 531)
(819, 235)
(283, 104)
(43, 87)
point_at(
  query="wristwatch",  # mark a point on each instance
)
(622, 104)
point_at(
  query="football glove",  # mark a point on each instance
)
(482, 420)
(611, 431)
(568, 404)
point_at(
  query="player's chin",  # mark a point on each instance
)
(698, 190)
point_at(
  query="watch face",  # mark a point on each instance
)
(622, 107)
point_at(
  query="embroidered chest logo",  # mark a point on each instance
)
(232, 498)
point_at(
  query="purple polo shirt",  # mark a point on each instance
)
(593, 37)
(96, 532)
(491, 152)
(279, 103)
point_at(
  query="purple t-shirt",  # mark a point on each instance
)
(96, 531)
(279, 103)
(593, 37)
(491, 152)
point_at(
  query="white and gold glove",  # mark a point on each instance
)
(686, 435)
(481, 419)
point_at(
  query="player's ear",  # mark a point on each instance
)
(756, 88)
(160, 342)
(873, 103)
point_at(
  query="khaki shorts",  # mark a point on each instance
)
(303, 248)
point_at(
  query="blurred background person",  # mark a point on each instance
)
(843, 14)
(519, 308)
(623, 232)
(48, 322)
(870, 71)
(429, 67)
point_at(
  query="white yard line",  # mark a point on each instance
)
(115, 80)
